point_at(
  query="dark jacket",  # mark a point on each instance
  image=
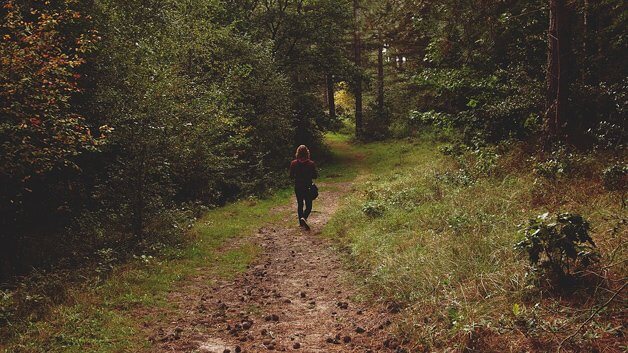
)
(303, 171)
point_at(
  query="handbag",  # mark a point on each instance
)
(313, 191)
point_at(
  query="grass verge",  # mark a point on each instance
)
(98, 318)
(436, 235)
(103, 317)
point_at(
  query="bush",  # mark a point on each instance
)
(485, 161)
(551, 168)
(614, 177)
(43, 136)
(558, 246)
(609, 135)
(376, 124)
(41, 133)
(460, 177)
(453, 150)
(7, 308)
(474, 163)
(440, 120)
(374, 209)
(106, 258)
(556, 166)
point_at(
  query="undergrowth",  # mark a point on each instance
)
(432, 227)
(105, 316)
(103, 310)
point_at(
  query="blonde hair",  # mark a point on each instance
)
(302, 152)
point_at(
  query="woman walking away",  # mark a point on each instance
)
(303, 170)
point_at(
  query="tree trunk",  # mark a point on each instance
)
(585, 38)
(137, 223)
(8, 256)
(331, 101)
(557, 70)
(380, 79)
(139, 202)
(357, 48)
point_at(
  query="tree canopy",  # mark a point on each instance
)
(114, 111)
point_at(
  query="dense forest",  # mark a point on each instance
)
(124, 121)
(121, 119)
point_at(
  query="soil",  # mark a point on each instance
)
(296, 296)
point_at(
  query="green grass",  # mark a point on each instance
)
(343, 160)
(444, 247)
(235, 261)
(416, 232)
(101, 318)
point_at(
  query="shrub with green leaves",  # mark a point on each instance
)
(558, 164)
(614, 177)
(438, 119)
(485, 161)
(454, 150)
(558, 245)
(609, 135)
(6, 307)
(460, 177)
(373, 209)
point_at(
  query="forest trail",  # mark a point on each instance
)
(293, 297)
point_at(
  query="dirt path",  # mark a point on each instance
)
(293, 298)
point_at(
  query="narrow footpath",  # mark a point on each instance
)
(296, 296)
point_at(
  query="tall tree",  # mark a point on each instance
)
(380, 77)
(357, 50)
(308, 39)
(558, 63)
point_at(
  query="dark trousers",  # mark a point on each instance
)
(303, 197)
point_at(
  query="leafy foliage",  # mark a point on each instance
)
(615, 176)
(609, 135)
(41, 132)
(558, 245)
(374, 208)
(459, 177)
(557, 165)
(117, 114)
(480, 68)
